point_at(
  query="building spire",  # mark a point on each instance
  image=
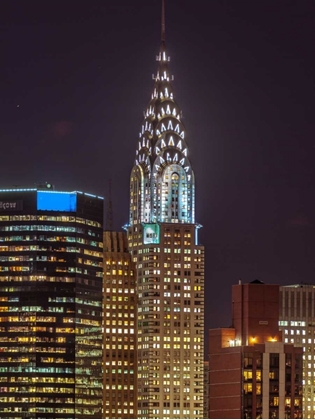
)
(162, 185)
(163, 22)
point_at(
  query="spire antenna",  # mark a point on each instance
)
(163, 22)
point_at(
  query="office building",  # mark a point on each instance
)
(163, 242)
(119, 338)
(297, 314)
(252, 373)
(51, 269)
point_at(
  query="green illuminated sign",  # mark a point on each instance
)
(151, 233)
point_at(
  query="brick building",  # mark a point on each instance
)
(252, 373)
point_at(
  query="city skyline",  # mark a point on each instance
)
(74, 81)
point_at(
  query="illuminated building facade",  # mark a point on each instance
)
(163, 242)
(297, 322)
(119, 338)
(252, 373)
(51, 269)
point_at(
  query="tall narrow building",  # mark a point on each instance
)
(163, 242)
(119, 356)
(297, 312)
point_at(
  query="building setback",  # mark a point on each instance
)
(297, 312)
(50, 304)
(119, 339)
(163, 242)
(252, 373)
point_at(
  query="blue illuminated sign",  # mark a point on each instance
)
(56, 201)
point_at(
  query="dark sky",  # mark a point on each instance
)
(75, 77)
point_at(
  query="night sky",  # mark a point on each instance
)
(76, 76)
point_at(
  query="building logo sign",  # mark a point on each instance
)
(151, 233)
(11, 205)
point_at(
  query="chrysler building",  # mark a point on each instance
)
(163, 242)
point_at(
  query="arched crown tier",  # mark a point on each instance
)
(162, 185)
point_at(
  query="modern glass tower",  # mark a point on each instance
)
(163, 241)
(51, 268)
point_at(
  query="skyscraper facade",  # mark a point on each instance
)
(163, 242)
(297, 312)
(51, 268)
(119, 338)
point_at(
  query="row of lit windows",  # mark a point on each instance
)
(38, 410)
(177, 234)
(12, 349)
(168, 346)
(118, 363)
(167, 250)
(119, 298)
(34, 339)
(150, 301)
(119, 387)
(52, 279)
(46, 228)
(119, 330)
(126, 282)
(114, 262)
(47, 238)
(174, 338)
(114, 290)
(291, 340)
(30, 389)
(248, 375)
(46, 258)
(297, 332)
(36, 379)
(19, 248)
(63, 219)
(169, 272)
(119, 347)
(67, 400)
(169, 309)
(119, 410)
(51, 259)
(126, 322)
(24, 318)
(120, 315)
(120, 273)
(37, 369)
(19, 268)
(292, 323)
(119, 307)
